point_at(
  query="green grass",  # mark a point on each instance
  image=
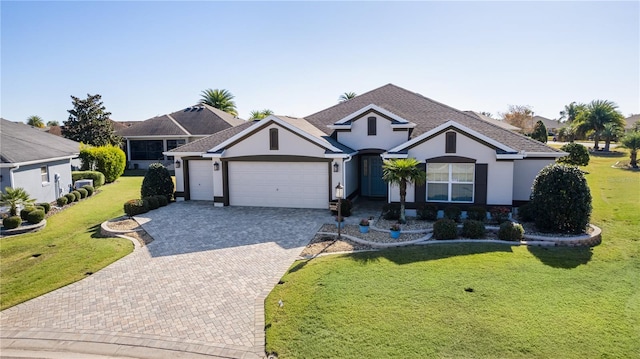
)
(69, 246)
(527, 302)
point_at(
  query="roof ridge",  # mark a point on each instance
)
(179, 125)
(362, 94)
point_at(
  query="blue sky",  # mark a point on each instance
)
(296, 58)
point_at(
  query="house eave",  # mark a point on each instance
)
(371, 107)
(45, 160)
(545, 154)
(182, 154)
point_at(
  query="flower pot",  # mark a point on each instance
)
(364, 229)
(394, 234)
(340, 224)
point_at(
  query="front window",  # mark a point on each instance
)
(44, 174)
(147, 150)
(450, 182)
(171, 144)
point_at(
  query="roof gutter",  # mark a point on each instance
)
(18, 164)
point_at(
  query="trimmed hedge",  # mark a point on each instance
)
(90, 190)
(62, 201)
(510, 231)
(135, 207)
(525, 213)
(453, 212)
(428, 212)
(157, 181)
(35, 216)
(45, 205)
(77, 194)
(445, 229)
(70, 197)
(24, 213)
(83, 192)
(109, 160)
(152, 202)
(473, 229)
(477, 213)
(12, 222)
(162, 200)
(97, 177)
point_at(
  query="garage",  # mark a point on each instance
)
(201, 180)
(279, 184)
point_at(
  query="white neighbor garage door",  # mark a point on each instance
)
(201, 180)
(279, 184)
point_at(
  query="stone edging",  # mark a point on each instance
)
(106, 231)
(24, 229)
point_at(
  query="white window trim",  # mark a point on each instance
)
(42, 174)
(450, 184)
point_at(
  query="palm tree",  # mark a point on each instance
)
(259, 115)
(347, 96)
(595, 116)
(632, 142)
(35, 121)
(220, 99)
(53, 123)
(571, 111)
(610, 131)
(15, 197)
(400, 172)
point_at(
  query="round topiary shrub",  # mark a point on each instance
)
(70, 197)
(152, 202)
(46, 206)
(78, 196)
(526, 213)
(477, 213)
(62, 201)
(12, 222)
(428, 212)
(35, 216)
(135, 207)
(83, 192)
(445, 229)
(90, 190)
(157, 181)
(561, 199)
(473, 229)
(578, 155)
(453, 212)
(25, 212)
(162, 200)
(510, 231)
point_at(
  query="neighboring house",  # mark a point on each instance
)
(282, 161)
(631, 121)
(552, 125)
(35, 160)
(117, 125)
(145, 142)
(500, 123)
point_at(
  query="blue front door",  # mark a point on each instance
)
(371, 183)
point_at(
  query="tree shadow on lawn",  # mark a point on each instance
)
(411, 254)
(562, 257)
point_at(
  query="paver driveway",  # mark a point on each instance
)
(197, 288)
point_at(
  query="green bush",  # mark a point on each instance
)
(45, 205)
(24, 213)
(109, 160)
(90, 190)
(97, 177)
(477, 213)
(578, 155)
(77, 195)
(391, 211)
(83, 192)
(500, 214)
(135, 207)
(445, 228)
(35, 216)
(453, 212)
(162, 200)
(157, 181)
(510, 231)
(473, 229)
(71, 197)
(62, 201)
(152, 202)
(561, 199)
(428, 212)
(539, 132)
(526, 213)
(12, 222)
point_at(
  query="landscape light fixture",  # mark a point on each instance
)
(339, 195)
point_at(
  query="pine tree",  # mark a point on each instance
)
(89, 123)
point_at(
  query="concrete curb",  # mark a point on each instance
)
(30, 228)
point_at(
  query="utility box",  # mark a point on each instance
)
(83, 182)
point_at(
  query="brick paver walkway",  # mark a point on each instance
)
(198, 288)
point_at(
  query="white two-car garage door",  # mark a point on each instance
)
(279, 184)
(201, 180)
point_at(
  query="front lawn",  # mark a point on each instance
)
(69, 248)
(519, 302)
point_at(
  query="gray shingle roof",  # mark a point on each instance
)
(195, 120)
(500, 123)
(209, 142)
(22, 143)
(425, 113)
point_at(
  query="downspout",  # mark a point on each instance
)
(344, 173)
(11, 175)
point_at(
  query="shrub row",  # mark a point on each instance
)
(429, 212)
(97, 177)
(76, 195)
(134, 207)
(447, 228)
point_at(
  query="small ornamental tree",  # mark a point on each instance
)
(109, 160)
(578, 155)
(14, 197)
(561, 200)
(539, 132)
(632, 142)
(157, 181)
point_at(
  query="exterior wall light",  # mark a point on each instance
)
(216, 166)
(336, 167)
(177, 163)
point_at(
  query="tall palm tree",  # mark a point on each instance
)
(571, 111)
(220, 99)
(611, 131)
(259, 115)
(632, 142)
(347, 96)
(400, 172)
(596, 114)
(35, 121)
(14, 197)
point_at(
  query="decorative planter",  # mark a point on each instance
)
(340, 224)
(364, 229)
(394, 234)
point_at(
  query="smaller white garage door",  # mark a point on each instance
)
(201, 180)
(279, 184)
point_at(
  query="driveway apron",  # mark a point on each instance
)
(198, 288)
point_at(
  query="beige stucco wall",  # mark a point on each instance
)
(385, 137)
(289, 144)
(525, 171)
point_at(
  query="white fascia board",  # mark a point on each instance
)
(340, 155)
(369, 108)
(266, 121)
(26, 163)
(461, 128)
(403, 125)
(340, 127)
(181, 154)
(545, 154)
(387, 155)
(213, 155)
(509, 156)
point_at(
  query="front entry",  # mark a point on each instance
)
(371, 183)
